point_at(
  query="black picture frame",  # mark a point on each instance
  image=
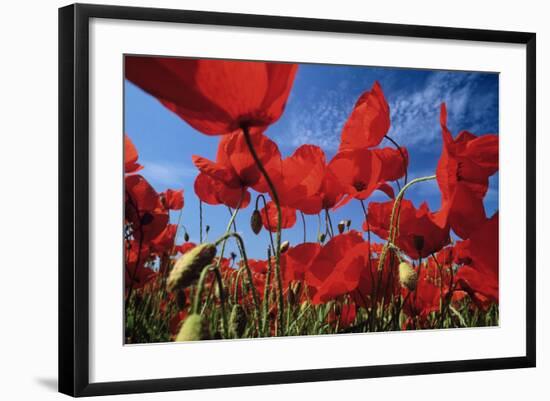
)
(74, 198)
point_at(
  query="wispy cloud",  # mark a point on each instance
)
(415, 115)
(319, 118)
(168, 174)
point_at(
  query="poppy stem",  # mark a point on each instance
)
(217, 269)
(373, 302)
(240, 244)
(402, 157)
(277, 249)
(304, 224)
(328, 222)
(200, 288)
(200, 220)
(265, 302)
(392, 230)
(261, 196)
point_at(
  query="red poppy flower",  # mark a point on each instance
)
(394, 163)
(137, 274)
(296, 261)
(215, 192)
(306, 183)
(480, 277)
(143, 208)
(358, 171)
(130, 156)
(215, 96)
(234, 170)
(463, 170)
(425, 299)
(418, 236)
(270, 216)
(300, 176)
(337, 268)
(369, 121)
(164, 242)
(173, 200)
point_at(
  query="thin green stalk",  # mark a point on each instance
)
(242, 250)
(265, 303)
(199, 290)
(304, 224)
(397, 202)
(200, 220)
(277, 249)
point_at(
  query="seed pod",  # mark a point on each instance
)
(341, 226)
(237, 321)
(194, 328)
(407, 276)
(188, 267)
(256, 222)
(284, 246)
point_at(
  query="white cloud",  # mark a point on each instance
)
(167, 174)
(415, 117)
(319, 120)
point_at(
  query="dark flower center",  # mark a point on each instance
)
(359, 186)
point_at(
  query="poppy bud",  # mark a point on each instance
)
(256, 221)
(194, 328)
(284, 246)
(341, 226)
(207, 228)
(188, 267)
(186, 237)
(322, 238)
(348, 223)
(407, 276)
(237, 321)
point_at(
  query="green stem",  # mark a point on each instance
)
(242, 250)
(199, 290)
(200, 220)
(277, 249)
(397, 202)
(265, 304)
(304, 224)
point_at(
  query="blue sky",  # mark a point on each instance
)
(320, 101)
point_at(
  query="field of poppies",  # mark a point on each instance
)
(407, 268)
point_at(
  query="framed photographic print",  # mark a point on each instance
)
(249, 199)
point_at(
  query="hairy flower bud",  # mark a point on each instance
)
(322, 238)
(188, 267)
(256, 221)
(194, 328)
(186, 236)
(237, 321)
(341, 226)
(407, 276)
(284, 246)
